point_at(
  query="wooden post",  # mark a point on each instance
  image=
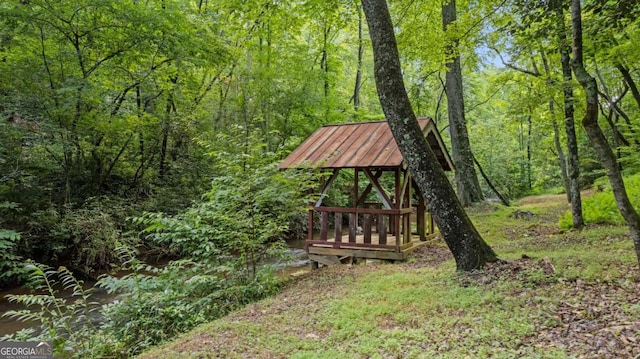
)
(394, 220)
(382, 228)
(353, 224)
(338, 226)
(366, 228)
(406, 228)
(421, 217)
(355, 188)
(324, 225)
(310, 229)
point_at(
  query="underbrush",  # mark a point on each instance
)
(153, 305)
(601, 208)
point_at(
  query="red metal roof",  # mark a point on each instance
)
(367, 144)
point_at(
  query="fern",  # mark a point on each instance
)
(65, 322)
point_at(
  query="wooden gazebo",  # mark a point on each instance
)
(391, 225)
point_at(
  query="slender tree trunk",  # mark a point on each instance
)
(163, 150)
(529, 126)
(324, 64)
(572, 142)
(166, 125)
(556, 135)
(629, 80)
(503, 199)
(356, 89)
(595, 134)
(561, 158)
(466, 178)
(469, 249)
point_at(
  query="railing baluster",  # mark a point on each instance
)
(367, 228)
(324, 226)
(382, 228)
(338, 226)
(391, 227)
(353, 224)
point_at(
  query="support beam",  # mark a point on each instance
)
(379, 190)
(326, 186)
(421, 218)
(365, 193)
(405, 185)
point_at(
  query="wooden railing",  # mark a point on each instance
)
(372, 228)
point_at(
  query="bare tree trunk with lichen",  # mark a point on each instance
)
(467, 246)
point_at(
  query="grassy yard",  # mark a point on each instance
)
(557, 295)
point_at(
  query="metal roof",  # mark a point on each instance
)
(362, 145)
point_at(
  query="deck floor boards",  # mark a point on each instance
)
(375, 240)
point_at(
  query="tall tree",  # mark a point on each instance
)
(467, 246)
(466, 178)
(573, 170)
(595, 134)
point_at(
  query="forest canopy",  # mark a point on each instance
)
(109, 109)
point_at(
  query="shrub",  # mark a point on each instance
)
(602, 207)
(82, 239)
(12, 269)
(224, 241)
(158, 304)
(242, 218)
(65, 322)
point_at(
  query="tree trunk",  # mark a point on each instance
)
(629, 80)
(595, 134)
(569, 121)
(529, 126)
(556, 135)
(467, 246)
(561, 158)
(503, 199)
(466, 178)
(356, 89)
(324, 65)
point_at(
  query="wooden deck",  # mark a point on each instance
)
(347, 250)
(360, 249)
(359, 240)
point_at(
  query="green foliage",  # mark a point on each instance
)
(11, 266)
(67, 322)
(158, 304)
(601, 207)
(418, 309)
(82, 239)
(240, 222)
(244, 216)
(91, 236)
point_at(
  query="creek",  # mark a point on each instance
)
(297, 265)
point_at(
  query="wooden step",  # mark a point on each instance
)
(327, 260)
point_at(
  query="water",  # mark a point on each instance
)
(11, 325)
(298, 265)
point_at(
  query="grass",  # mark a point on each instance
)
(574, 294)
